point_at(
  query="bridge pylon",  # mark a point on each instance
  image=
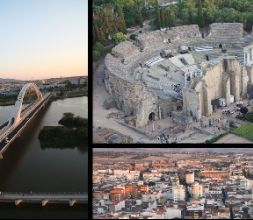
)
(16, 114)
(18, 201)
(72, 202)
(44, 202)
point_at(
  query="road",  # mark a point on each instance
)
(14, 132)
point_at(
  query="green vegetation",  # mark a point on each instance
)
(11, 99)
(113, 16)
(73, 133)
(119, 37)
(216, 138)
(139, 157)
(7, 99)
(98, 50)
(245, 130)
(70, 121)
(69, 91)
(204, 12)
(248, 117)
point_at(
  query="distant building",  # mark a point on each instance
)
(189, 177)
(196, 190)
(215, 174)
(178, 193)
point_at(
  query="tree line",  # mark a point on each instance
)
(111, 18)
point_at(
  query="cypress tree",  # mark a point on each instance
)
(166, 18)
(162, 18)
(122, 23)
(200, 18)
(158, 18)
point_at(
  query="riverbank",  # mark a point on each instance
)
(29, 167)
(72, 132)
(57, 94)
(68, 95)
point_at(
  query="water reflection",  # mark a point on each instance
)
(27, 167)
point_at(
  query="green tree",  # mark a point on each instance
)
(166, 18)
(171, 17)
(200, 18)
(139, 4)
(122, 23)
(98, 50)
(119, 37)
(158, 18)
(162, 14)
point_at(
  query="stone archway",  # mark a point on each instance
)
(151, 116)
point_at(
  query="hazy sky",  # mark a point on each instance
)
(43, 38)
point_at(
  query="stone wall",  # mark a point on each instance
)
(249, 70)
(221, 80)
(132, 98)
(192, 103)
(124, 50)
(167, 106)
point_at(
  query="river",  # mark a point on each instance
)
(27, 167)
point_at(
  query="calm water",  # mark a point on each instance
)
(27, 167)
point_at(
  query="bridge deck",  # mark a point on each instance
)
(42, 198)
(13, 132)
(29, 196)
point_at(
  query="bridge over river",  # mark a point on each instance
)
(19, 118)
(44, 198)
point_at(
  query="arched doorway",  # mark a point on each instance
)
(220, 45)
(151, 116)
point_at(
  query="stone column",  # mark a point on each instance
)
(227, 91)
(207, 101)
(199, 112)
(250, 73)
(245, 80)
(251, 53)
(236, 86)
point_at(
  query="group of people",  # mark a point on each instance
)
(163, 139)
(177, 88)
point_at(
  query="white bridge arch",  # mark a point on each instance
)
(15, 116)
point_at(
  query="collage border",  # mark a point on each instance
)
(92, 145)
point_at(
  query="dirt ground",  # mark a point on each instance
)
(100, 113)
(231, 138)
(102, 135)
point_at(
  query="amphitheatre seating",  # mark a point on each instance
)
(225, 32)
(153, 61)
(186, 31)
(151, 39)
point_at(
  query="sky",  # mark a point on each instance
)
(41, 39)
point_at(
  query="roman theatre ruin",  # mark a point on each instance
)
(180, 72)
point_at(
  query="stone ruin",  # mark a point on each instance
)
(147, 85)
